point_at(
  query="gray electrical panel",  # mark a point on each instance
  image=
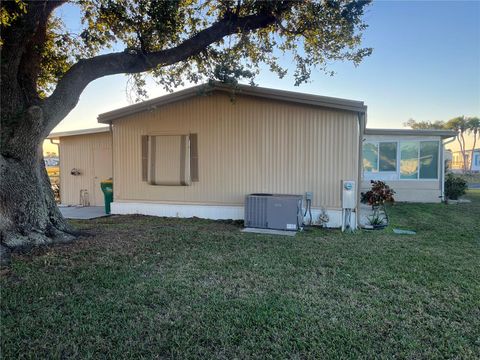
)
(273, 211)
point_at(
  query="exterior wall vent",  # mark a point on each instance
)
(273, 211)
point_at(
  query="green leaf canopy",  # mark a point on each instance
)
(309, 32)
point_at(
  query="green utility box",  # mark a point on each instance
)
(107, 188)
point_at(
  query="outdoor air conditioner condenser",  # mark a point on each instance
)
(274, 211)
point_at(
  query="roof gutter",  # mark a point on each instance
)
(90, 131)
(411, 132)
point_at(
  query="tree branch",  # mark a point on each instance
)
(69, 88)
(32, 56)
(21, 58)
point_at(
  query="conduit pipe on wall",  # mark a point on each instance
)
(362, 124)
(442, 194)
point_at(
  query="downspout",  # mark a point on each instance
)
(361, 123)
(56, 144)
(110, 127)
(442, 178)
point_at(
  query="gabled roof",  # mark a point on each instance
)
(412, 132)
(57, 135)
(266, 93)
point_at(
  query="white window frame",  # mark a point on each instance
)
(377, 144)
(399, 159)
(395, 175)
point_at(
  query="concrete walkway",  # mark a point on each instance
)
(269, 231)
(82, 212)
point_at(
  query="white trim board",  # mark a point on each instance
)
(179, 210)
(213, 212)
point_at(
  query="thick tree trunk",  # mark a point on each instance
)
(28, 213)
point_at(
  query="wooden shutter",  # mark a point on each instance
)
(194, 157)
(144, 157)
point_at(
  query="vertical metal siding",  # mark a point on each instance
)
(245, 146)
(78, 152)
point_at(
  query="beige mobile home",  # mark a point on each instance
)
(257, 141)
(85, 160)
(200, 151)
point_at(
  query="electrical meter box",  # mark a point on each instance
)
(349, 196)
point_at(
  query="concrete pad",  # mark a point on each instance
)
(404, 232)
(269, 231)
(82, 212)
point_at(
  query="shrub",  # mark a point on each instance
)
(377, 219)
(379, 194)
(455, 186)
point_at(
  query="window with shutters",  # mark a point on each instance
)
(169, 159)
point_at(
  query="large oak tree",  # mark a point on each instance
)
(45, 67)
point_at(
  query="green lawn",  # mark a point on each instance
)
(175, 288)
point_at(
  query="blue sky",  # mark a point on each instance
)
(425, 65)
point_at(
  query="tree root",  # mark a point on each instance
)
(4, 255)
(14, 241)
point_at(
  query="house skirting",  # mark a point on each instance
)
(213, 212)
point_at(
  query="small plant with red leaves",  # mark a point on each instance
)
(379, 194)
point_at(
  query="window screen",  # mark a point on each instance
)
(409, 160)
(370, 157)
(429, 160)
(388, 156)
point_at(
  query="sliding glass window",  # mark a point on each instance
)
(417, 159)
(428, 159)
(409, 160)
(380, 157)
(387, 156)
(370, 157)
